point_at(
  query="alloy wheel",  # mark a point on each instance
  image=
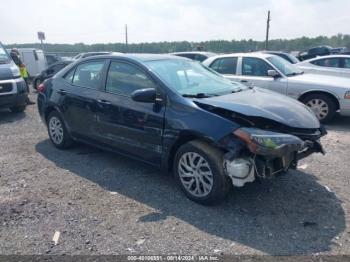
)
(195, 174)
(56, 130)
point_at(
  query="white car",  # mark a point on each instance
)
(325, 95)
(336, 65)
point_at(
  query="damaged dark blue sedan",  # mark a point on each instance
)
(181, 116)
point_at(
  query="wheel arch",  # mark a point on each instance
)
(322, 92)
(52, 108)
(183, 138)
(48, 110)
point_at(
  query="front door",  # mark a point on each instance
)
(254, 73)
(133, 128)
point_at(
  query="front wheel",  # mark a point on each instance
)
(58, 133)
(322, 105)
(199, 170)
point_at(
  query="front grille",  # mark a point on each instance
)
(5, 87)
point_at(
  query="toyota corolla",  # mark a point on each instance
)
(180, 116)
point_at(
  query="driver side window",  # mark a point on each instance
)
(252, 66)
(124, 78)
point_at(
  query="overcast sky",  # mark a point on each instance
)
(102, 21)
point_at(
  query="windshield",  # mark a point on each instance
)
(284, 66)
(192, 78)
(3, 55)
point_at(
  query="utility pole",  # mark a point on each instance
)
(267, 31)
(41, 36)
(126, 37)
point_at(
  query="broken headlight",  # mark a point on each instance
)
(264, 142)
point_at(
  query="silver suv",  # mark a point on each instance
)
(13, 89)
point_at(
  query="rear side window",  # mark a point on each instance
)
(252, 66)
(123, 79)
(227, 65)
(327, 62)
(89, 74)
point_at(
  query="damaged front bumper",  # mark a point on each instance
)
(269, 153)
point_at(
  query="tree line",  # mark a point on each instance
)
(217, 46)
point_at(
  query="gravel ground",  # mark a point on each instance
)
(103, 203)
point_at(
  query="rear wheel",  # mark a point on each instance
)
(322, 105)
(198, 168)
(17, 109)
(58, 133)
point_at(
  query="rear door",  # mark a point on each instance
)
(254, 72)
(78, 98)
(131, 127)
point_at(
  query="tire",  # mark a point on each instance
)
(57, 130)
(17, 109)
(212, 161)
(319, 102)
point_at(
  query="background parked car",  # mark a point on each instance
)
(336, 65)
(289, 57)
(13, 89)
(178, 115)
(340, 50)
(51, 59)
(195, 55)
(315, 51)
(49, 72)
(34, 60)
(325, 95)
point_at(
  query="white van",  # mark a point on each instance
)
(34, 60)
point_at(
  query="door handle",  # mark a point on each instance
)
(104, 102)
(244, 81)
(62, 92)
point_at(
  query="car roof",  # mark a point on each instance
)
(329, 56)
(193, 52)
(252, 54)
(137, 57)
(274, 52)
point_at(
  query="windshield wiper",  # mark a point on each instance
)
(198, 95)
(295, 74)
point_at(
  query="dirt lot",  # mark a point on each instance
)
(103, 203)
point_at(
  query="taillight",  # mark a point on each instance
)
(41, 88)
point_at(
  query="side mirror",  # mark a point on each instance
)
(273, 73)
(147, 95)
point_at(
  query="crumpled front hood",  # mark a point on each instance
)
(320, 80)
(263, 103)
